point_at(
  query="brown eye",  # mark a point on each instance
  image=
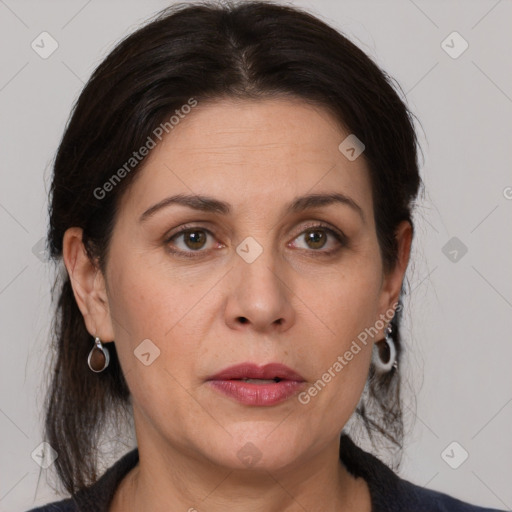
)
(320, 239)
(315, 238)
(194, 239)
(189, 241)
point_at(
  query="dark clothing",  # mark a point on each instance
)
(389, 493)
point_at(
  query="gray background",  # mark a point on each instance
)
(459, 318)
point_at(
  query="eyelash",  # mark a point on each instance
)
(338, 235)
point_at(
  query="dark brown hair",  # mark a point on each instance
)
(207, 51)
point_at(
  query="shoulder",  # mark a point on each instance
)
(436, 501)
(97, 496)
(391, 493)
(66, 505)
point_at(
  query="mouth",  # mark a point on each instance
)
(250, 371)
(255, 385)
(261, 381)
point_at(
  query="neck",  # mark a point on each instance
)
(176, 479)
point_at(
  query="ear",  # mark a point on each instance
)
(392, 281)
(88, 284)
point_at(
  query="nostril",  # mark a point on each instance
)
(243, 320)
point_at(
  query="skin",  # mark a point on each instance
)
(301, 308)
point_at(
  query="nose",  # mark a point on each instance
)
(260, 297)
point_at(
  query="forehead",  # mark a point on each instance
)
(247, 151)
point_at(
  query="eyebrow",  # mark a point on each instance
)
(212, 205)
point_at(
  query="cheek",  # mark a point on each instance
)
(148, 298)
(345, 305)
(155, 346)
(346, 298)
(157, 313)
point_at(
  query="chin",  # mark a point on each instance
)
(258, 446)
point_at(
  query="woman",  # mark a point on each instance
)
(232, 200)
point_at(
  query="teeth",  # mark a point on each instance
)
(260, 381)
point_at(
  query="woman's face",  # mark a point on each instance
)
(253, 280)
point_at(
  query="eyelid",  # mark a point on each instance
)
(337, 233)
(324, 225)
(180, 231)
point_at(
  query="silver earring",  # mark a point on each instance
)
(384, 353)
(98, 357)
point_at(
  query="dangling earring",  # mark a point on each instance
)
(98, 357)
(384, 353)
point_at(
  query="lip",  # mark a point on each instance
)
(229, 383)
(253, 371)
